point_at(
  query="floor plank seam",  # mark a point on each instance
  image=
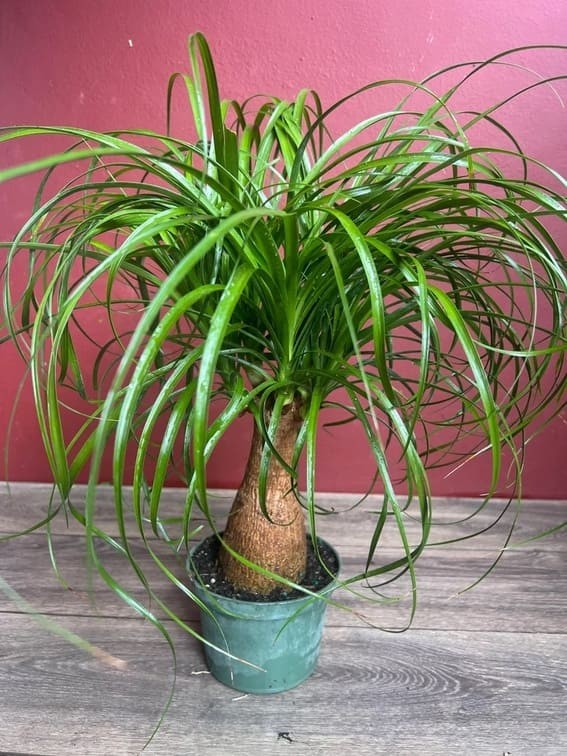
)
(328, 624)
(138, 541)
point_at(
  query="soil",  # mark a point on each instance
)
(205, 564)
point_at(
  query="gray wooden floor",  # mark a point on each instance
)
(481, 672)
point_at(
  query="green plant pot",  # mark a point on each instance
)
(272, 656)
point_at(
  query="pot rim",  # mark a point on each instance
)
(312, 596)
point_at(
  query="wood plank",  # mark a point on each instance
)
(419, 693)
(24, 504)
(483, 674)
(527, 592)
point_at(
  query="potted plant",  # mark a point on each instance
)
(401, 270)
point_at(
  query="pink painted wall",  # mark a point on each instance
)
(105, 65)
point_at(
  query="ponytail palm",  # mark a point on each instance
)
(266, 269)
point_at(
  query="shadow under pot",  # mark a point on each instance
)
(271, 643)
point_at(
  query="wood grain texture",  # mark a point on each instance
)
(526, 591)
(425, 692)
(24, 504)
(481, 675)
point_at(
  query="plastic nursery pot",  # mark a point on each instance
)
(283, 655)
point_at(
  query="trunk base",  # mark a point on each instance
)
(204, 563)
(277, 542)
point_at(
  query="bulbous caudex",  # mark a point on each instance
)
(273, 538)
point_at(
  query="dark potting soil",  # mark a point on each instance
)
(205, 564)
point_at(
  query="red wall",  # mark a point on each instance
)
(105, 65)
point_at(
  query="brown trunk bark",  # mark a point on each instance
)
(277, 543)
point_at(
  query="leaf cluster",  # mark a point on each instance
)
(403, 264)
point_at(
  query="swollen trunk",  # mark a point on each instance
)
(278, 542)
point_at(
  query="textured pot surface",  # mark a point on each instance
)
(283, 655)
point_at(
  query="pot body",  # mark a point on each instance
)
(276, 643)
